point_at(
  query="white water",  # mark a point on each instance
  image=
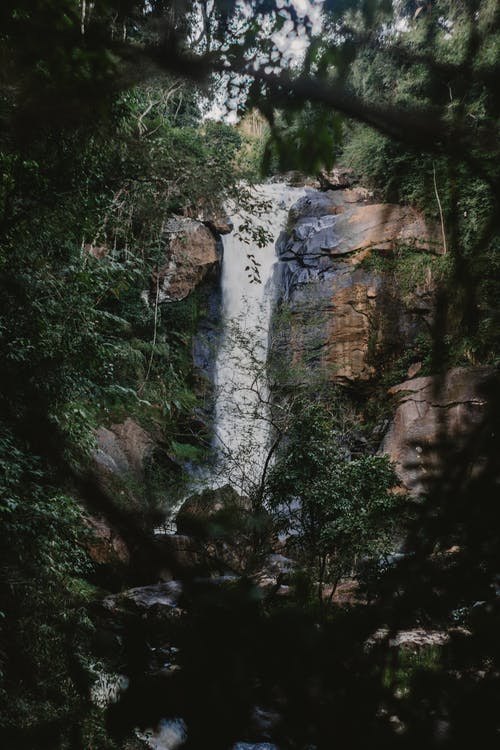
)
(242, 430)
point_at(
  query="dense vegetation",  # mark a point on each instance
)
(83, 210)
(102, 139)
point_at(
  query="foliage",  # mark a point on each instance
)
(82, 210)
(43, 624)
(333, 508)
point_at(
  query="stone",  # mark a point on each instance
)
(218, 222)
(123, 448)
(163, 597)
(336, 179)
(344, 318)
(414, 369)
(191, 252)
(274, 575)
(118, 462)
(179, 552)
(106, 546)
(170, 734)
(412, 640)
(433, 417)
(223, 523)
(326, 227)
(385, 227)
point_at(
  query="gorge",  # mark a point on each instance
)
(249, 375)
(339, 322)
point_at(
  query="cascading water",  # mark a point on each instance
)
(242, 428)
(241, 416)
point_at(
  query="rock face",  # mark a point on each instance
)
(107, 546)
(191, 252)
(432, 419)
(123, 448)
(118, 463)
(342, 314)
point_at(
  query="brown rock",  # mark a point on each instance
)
(384, 227)
(434, 416)
(179, 552)
(106, 547)
(123, 448)
(159, 601)
(336, 179)
(414, 369)
(344, 320)
(212, 215)
(190, 254)
(118, 462)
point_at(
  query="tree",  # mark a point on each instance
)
(333, 509)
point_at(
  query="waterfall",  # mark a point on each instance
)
(241, 428)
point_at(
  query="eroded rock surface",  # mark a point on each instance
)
(432, 419)
(341, 314)
(118, 462)
(106, 545)
(191, 252)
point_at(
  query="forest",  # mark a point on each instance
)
(249, 386)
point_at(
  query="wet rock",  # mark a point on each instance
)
(432, 419)
(160, 598)
(314, 204)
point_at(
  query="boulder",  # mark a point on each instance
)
(433, 417)
(191, 252)
(157, 599)
(324, 227)
(412, 640)
(336, 179)
(223, 522)
(123, 448)
(106, 546)
(179, 553)
(118, 463)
